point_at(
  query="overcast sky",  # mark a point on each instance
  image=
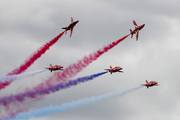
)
(27, 25)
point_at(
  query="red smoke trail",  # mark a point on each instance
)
(28, 62)
(73, 69)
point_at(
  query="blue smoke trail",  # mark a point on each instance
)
(20, 97)
(71, 105)
(11, 78)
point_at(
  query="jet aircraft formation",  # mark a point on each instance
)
(111, 70)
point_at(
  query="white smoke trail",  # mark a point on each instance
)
(71, 105)
(11, 78)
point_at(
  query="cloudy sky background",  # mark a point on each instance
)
(27, 25)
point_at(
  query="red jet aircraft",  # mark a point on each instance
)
(136, 30)
(150, 84)
(115, 69)
(54, 68)
(71, 26)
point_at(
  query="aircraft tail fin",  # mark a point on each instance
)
(146, 81)
(110, 66)
(51, 65)
(134, 22)
(71, 19)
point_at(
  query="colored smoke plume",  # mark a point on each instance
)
(29, 61)
(75, 68)
(72, 70)
(20, 97)
(11, 78)
(71, 105)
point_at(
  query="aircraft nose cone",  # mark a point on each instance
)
(143, 25)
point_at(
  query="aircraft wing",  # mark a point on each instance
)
(135, 23)
(71, 31)
(137, 34)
